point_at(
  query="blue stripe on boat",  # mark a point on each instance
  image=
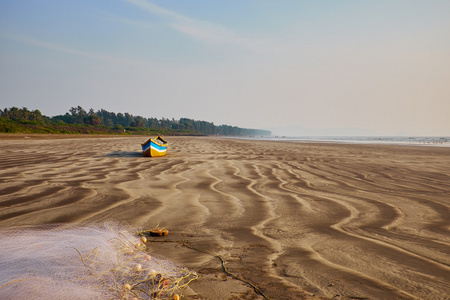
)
(154, 146)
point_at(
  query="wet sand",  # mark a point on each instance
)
(293, 220)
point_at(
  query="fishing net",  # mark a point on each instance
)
(91, 262)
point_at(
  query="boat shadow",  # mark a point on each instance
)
(124, 154)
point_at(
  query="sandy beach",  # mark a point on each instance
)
(290, 220)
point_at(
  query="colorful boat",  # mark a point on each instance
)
(155, 147)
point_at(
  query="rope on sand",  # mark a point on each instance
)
(222, 262)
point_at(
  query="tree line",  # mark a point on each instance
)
(123, 122)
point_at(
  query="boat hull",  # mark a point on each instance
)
(154, 147)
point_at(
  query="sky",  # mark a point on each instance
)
(296, 67)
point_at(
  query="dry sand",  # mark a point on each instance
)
(298, 221)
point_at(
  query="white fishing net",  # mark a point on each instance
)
(91, 262)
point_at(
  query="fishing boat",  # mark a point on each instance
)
(155, 147)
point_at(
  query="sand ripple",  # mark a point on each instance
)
(296, 220)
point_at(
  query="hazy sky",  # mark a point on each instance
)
(345, 67)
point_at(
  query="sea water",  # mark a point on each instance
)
(395, 140)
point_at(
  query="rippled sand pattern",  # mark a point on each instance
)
(298, 221)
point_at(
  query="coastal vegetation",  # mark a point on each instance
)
(80, 121)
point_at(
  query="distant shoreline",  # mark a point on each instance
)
(393, 141)
(435, 141)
